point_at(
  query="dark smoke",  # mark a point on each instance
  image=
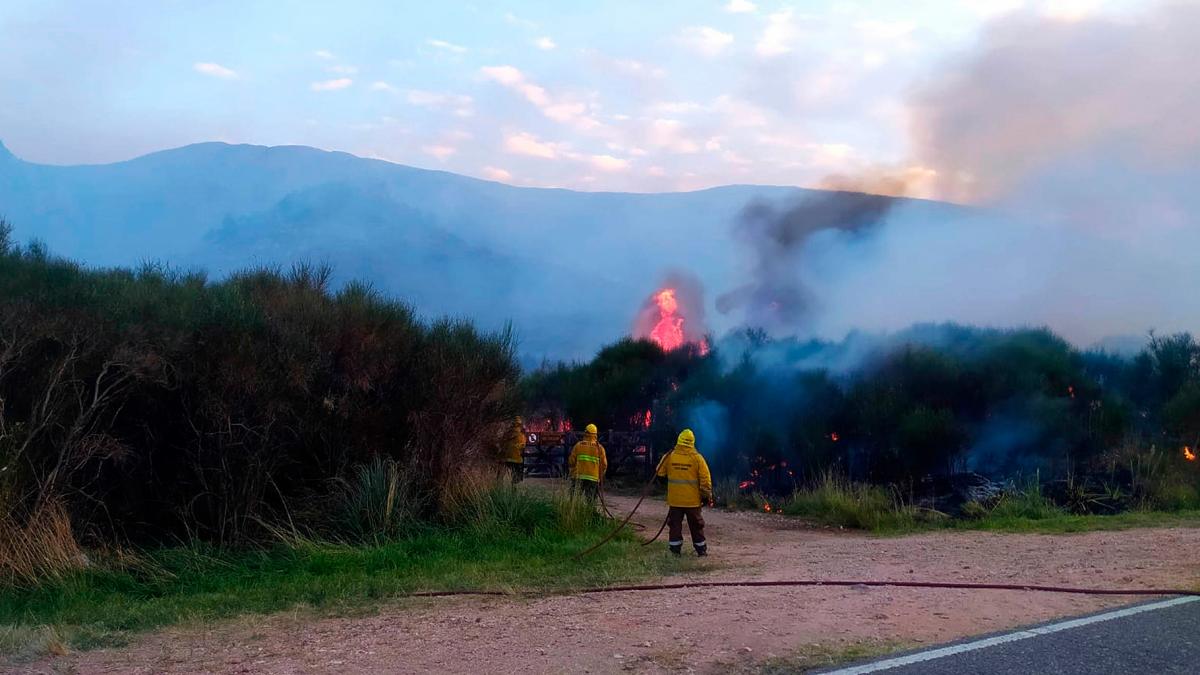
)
(776, 299)
(1077, 145)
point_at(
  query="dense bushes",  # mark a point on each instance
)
(155, 405)
(934, 400)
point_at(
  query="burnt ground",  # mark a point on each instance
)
(708, 630)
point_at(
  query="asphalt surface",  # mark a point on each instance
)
(1160, 640)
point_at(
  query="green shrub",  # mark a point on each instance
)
(158, 406)
(835, 501)
(1027, 503)
(378, 503)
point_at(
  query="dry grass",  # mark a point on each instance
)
(42, 547)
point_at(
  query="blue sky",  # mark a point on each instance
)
(620, 95)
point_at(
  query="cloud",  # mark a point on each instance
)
(447, 46)
(520, 22)
(609, 163)
(332, 85)
(738, 113)
(496, 173)
(343, 70)
(740, 7)
(514, 79)
(215, 70)
(380, 85)
(778, 36)
(441, 152)
(706, 40)
(545, 43)
(459, 104)
(435, 99)
(629, 67)
(668, 134)
(525, 143)
(562, 110)
(674, 108)
(323, 54)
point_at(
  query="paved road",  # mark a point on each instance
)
(1156, 637)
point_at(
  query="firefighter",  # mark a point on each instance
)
(512, 450)
(587, 464)
(689, 486)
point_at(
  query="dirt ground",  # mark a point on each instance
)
(708, 630)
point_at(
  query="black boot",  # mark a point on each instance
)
(676, 549)
(701, 548)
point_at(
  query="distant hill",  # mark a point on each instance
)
(570, 269)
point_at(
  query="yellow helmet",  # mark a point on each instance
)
(686, 439)
(591, 429)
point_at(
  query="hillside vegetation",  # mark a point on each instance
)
(153, 407)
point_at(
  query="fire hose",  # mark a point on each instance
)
(960, 585)
(645, 493)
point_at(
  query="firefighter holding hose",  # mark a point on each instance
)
(689, 486)
(587, 464)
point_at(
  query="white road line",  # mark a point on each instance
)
(1008, 637)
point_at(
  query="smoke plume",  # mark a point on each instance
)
(776, 297)
(1076, 145)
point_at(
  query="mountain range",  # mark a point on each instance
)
(569, 269)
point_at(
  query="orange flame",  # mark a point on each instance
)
(766, 507)
(834, 437)
(1188, 454)
(668, 332)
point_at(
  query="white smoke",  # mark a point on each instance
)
(1077, 145)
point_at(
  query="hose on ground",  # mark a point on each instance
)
(609, 514)
(960, 585)
(618, 528)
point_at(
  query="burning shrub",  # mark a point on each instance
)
(933, 401)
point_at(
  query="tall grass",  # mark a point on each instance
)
(834, 500)
(379, 502)
(503, 539)
(42, 547)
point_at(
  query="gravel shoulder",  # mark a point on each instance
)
(705, 630)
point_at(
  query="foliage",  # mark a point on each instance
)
(156, 405)
(932, 400)
(835, 501)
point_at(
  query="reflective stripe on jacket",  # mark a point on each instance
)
(588, 460)
(689, 483)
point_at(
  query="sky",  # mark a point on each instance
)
(618, 95)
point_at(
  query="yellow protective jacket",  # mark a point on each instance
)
(512, 448)
(689, 483)
(587, 460)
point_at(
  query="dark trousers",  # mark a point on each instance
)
(695, 520)
(516, 471)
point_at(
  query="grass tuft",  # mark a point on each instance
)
(505, 539)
